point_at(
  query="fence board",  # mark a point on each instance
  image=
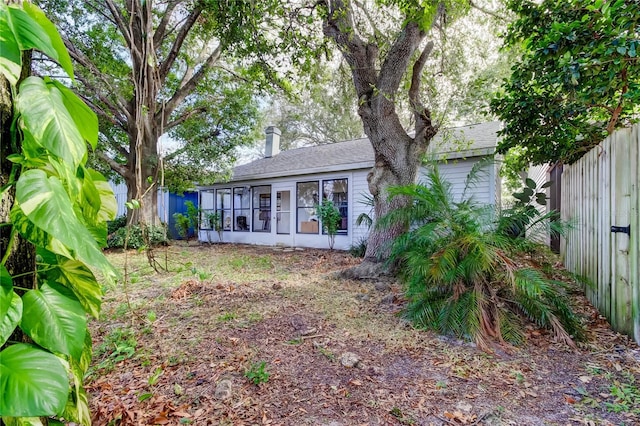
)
(598, 191)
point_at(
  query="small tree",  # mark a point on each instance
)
(215, 223)
(193, 214)
(330, 217)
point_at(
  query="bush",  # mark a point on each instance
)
(115, 224)
(182, 224)
(156, 237)
(464, 274)
(358, 249)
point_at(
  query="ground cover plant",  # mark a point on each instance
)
(181, 349)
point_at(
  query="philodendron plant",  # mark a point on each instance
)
(61, 207)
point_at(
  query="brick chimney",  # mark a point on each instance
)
(272, 142)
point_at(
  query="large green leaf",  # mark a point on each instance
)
(80, 279)
(11, 318)
(108, 202)
(23, 421)
(45, 203)
(53, 317)
(84, 117)
(10, 56)
(6, 289)
(33, 382)
(61, 54)
(47, 119)
(10, 306)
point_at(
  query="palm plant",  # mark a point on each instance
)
(462, 273)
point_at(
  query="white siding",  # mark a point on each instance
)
(482, 189)
(360, 192)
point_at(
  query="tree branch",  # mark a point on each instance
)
(360, 56)
(114, 165)
(120, 22)
(188, 87)
(184, 117)
(160, 32)
(90, 66)
(485, 10)
(177, 43)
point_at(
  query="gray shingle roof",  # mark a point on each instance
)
(467, 141)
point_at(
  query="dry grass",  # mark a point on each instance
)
(163, 345)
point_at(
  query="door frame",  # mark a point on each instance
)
(282, 238)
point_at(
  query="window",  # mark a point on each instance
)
(241, 208)
(261, 208)
(336, 190)
(223, 207)
(306, 201)
(207, 206)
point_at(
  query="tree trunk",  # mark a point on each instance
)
(21, 261)
(141, 178)
(377, 74)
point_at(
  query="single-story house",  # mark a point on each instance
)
(271, 201)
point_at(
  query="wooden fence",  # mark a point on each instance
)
(599, 192)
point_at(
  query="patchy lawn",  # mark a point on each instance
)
(188, 346)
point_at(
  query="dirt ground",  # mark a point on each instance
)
(185, 347)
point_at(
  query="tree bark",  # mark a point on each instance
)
(397, 154)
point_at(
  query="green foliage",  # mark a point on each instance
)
(61, 207)
(330, 218)
(193, 213)
(358, 249)
(523, 217)
(258, 373)
(577, 80)
(461, 271)
(115, 224)
(156, 234)
(182, 224)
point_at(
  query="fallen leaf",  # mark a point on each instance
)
(355, 382)
(570, 399)
(585, 379)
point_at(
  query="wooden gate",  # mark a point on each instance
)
(600, 195)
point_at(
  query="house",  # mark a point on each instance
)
(271, 201)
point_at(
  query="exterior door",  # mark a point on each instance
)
(282, 219)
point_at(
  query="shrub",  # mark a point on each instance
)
(358, 249)
(182, 224)
(462, 271)
(156, 237)
(330, 217)
(115, 224)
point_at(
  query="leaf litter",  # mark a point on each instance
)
(236, 306)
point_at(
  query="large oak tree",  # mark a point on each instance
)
(389, 46)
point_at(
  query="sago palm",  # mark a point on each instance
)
(461, 270)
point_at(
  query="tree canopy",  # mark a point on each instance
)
(578, 78)
(187, 69)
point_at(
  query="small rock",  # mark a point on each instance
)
(464, 406)
(363, 297)
(349, 359)
(276, 286)
(388, 299)
(223, 389)
(382, 286)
